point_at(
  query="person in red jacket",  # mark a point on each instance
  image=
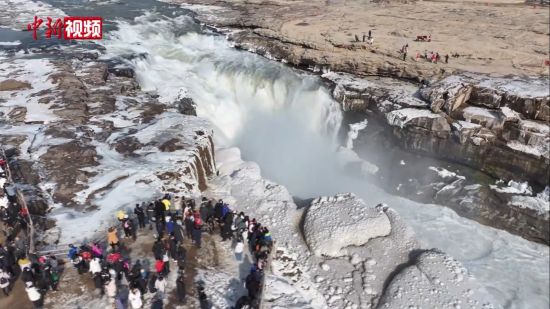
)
(159, 266)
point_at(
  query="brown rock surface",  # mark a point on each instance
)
(496, 37)
(12, 84)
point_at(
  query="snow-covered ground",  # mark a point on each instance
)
(280, 123)
(16, 14)
(350, 249)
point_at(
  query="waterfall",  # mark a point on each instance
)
(287, 122)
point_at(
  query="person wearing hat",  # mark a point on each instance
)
(112, 238)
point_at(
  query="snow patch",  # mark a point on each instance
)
(514, 187)
(334, 223)
(401, 117)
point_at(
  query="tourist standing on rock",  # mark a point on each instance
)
(197, 235)
(157, 249)
(404, 56)
(159, 267)
(180, 288)
(218, 210)
(370, 34)
(160, 284)
(27, 275)
(134, 296)
(142, 281)
(150, 211)
(95, 270)
(188, 221)
(140, 214)
(160, 210)
(227, 228)
(156, 302)
(243, 302)
(181, 255)
(170, 225)
(110, 289)
(364, 37)
(5, 282)
(96, 249)
(173, 241)
(72, 252)
(112, 238)
(447, 58)
(252, 285)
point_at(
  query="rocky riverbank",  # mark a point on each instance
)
(86, 140)
(460, 114)
(497, 128)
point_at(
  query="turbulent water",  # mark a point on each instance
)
(286, 121)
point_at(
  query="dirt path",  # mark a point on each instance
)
(18, 298)
(197, 258)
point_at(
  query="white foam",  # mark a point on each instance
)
(279, 118)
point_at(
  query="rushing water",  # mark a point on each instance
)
(287, 121)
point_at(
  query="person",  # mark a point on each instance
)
(157, 250)
(119, 303)
(227, 229)
(140, 214)
(370, 34)
(203, 298)
(27, 275)
(197, 234)
(166, 203)
(180, 288)
(160, 210)
(404, 56)
(447, 58)
(218, 210)
(112, 238)
(356, 38)
(159, 266)
(150, 211)
(5, 282)
(95, 266)
(173, 247)
(120, 215)
(188, 222)
(110, 289)
(206, 210)
(142, 281)
(181, 254)
(80, 264)
(364, 37)
(252, 285)
(156, 302)
(243, 302)
(34, 295)
(239, 248)
(96, 250)
(169, 225)
(72, 252)
(160, 284)
(134, 296)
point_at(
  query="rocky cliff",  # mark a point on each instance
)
(495, 126)
(84, 137)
